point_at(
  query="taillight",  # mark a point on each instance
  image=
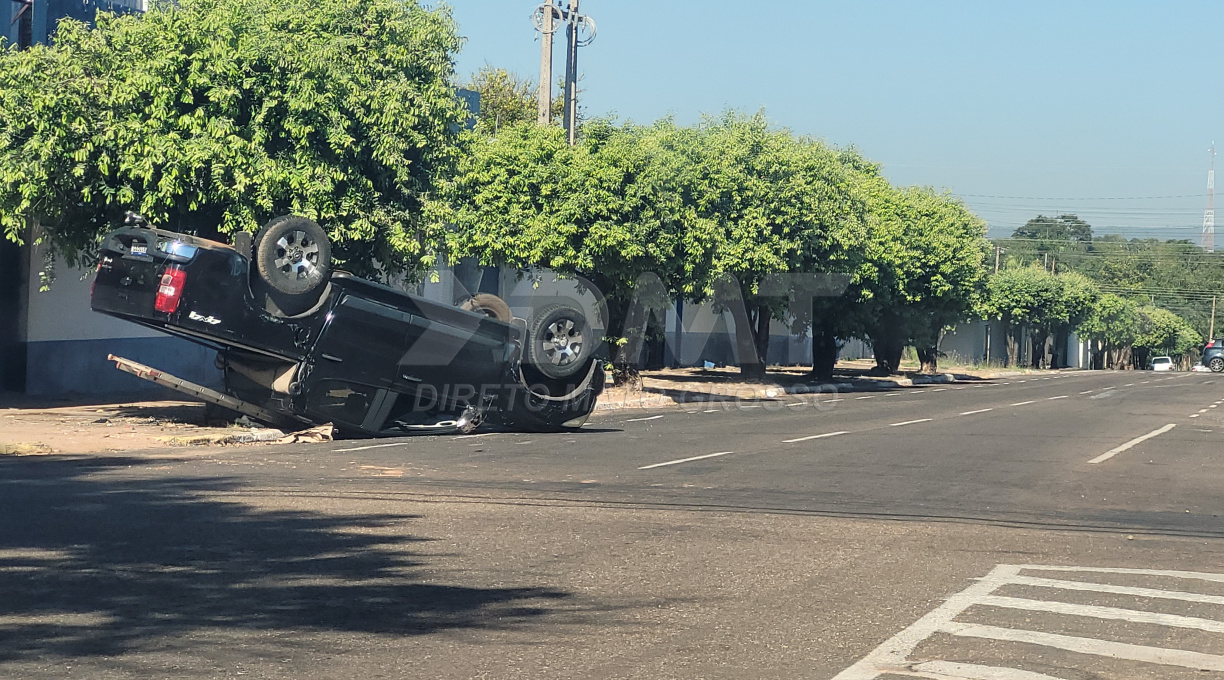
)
(170, 290)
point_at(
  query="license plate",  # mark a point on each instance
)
(140, 249)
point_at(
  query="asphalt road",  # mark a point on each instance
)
(949, 531)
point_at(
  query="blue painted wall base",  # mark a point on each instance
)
(79, 367)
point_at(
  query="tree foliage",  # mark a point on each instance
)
(211, 116)
(1045, 303)
(1060, 229)
(506, 98)
(609, 209)
(731, 199)
(928, 251)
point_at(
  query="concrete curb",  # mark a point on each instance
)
(642, 399)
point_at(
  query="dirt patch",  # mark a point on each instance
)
(117, 427)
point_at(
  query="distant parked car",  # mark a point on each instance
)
(1161, 364)
(1213, 356)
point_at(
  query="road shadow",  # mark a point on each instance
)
(94, 562)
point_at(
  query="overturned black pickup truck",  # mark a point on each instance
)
(301, 344)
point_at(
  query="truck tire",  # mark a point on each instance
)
(559, 342)
(293, 258)
(489, 305)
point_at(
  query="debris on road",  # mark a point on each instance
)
(24, 449)
(322, 433)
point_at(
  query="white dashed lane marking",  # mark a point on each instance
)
(1022, 403)
(981, 410)
(686, 460)
(1053, 398)
(641, 420)
(815, 436)
(1137, 440)
(892, 657)
(910, 422)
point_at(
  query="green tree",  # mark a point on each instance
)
(781, 204)
(929, 252)
(1060, 229)
(211, 116)
(1112, 323)
(609, 210)
(1044, 303)
(1047, 237)
(1162, 332)
(506, 99)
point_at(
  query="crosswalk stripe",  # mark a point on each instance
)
(1173, 573)
(892, 653)
(1082, 645)
(1117, 590)
(890, 658)
(1114, 613)
(947, 670)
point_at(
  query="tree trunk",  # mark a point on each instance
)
(1038, 343)
(1012, 341)
(929, 358)
(888, 350)
(1013, 346)
(625, 371)
(1099, 356)
(761, 336)
(752, 364)
(824, 353)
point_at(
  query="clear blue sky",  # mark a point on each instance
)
(1072, 102)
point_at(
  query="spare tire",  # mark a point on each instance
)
(293, 257)
(560, 341)
(489, 305)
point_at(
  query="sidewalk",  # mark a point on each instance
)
(672, 387)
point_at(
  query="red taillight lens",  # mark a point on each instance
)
(170, 290)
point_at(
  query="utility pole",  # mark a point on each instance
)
(579, 32)
(545, 19)
(24, 19)
(997, 251)
(571, 72)
(1211, 332)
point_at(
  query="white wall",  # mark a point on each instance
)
(63, 313)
